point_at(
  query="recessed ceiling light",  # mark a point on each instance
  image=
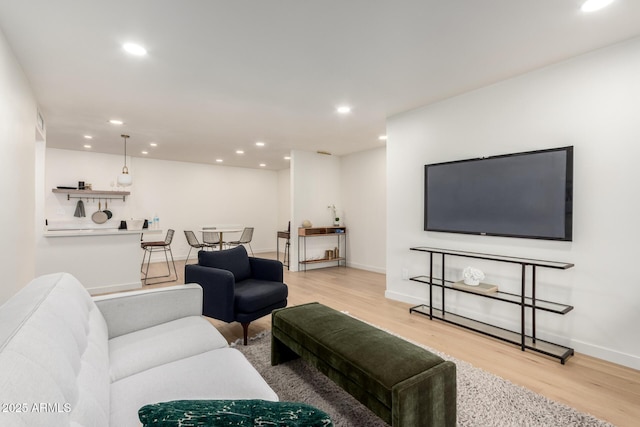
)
(88, 137)
(116, 122)
(153, 144)
(239, 152)
(382, 137)
(287, 157)
(144, 152)
(219, 160)
(593, 5)
(263, 165)
(343, 109)
(87, 146)
(134, 49)
(260, 144)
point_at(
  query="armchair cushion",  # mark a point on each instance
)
(253, 295)
(234, 260)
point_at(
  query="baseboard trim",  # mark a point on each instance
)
(610, 355)
(367, 267)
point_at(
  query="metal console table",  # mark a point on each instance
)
(530, 342)
(339, 232)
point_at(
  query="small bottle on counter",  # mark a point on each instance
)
(156, 222)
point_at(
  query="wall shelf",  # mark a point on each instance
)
(526, 302)
(92, 194)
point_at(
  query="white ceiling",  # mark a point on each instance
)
(221, 75)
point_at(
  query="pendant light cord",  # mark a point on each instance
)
(125, 154)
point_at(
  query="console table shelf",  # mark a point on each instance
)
(526, 302)
(312, 232)
(539, 304)
(544, 347)
(316, 261)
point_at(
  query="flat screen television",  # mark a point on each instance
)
(526, 195)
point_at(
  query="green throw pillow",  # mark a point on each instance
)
(213, 413)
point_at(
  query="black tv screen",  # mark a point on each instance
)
(526, 195)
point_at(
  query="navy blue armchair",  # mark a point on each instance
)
(237, 287)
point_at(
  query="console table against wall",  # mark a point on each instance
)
(525, 301)
(339, 232)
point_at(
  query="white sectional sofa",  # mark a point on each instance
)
(67, 359)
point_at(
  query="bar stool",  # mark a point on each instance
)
(164, 246)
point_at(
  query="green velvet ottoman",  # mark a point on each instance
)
(402, 383)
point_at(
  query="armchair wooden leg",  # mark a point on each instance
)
(245, 329)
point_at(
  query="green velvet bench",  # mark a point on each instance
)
(402, 383)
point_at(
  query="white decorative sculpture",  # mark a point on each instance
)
(472, 276)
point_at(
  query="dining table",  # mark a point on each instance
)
(221, 232)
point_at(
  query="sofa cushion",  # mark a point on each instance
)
(232, 413)
(216, 374)
(234, 260)
(53, 350)
(137, 351)
(253, 295)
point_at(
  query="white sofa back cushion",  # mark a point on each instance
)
(54, 356)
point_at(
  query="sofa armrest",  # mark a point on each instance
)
(127, 312)
(218, 289)
(266, 269)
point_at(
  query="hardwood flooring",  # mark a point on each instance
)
(608, 391)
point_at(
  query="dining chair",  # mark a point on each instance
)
(210, 238)
(193, 242)
(245, 239)
(286, 246)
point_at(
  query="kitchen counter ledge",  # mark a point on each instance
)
(96, 232)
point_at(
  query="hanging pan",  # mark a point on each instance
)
(107, 211)
(99, 217)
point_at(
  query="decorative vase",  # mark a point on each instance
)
(472, 276)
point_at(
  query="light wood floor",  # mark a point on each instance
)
(608, 391)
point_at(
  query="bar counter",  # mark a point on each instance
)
(103, 259)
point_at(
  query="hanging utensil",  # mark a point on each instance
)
(106, 210)
(99, 217)
(79, 210)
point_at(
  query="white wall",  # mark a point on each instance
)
(316, 184)
(18, 111)
(185, 196)
(356, 185)
(364, 199)
(284, 199)
(591, 102)
(188, 195)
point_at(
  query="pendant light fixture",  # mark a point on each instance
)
(124, 178)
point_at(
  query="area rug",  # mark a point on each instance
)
(484, 399)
